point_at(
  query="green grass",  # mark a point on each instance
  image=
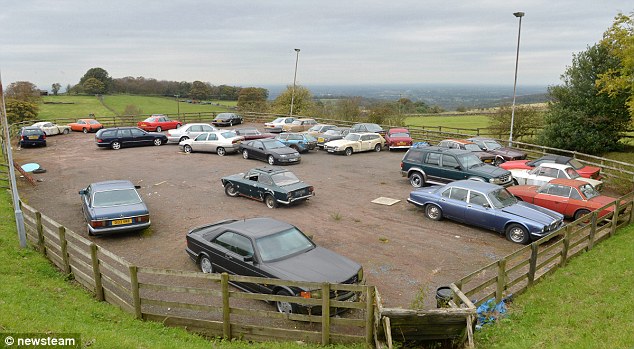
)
(587, 304)
(35, 297)
(81, 107)
(467, 121)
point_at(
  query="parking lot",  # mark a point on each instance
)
(401, 251)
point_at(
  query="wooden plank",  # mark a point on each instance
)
(136, 298)
(461, 295)
(468, 278)
(482, 286)
(40, 234)
(114, 299)
(275, 315)
(274, 298)
(484, 298)
(78, 238)
(113, 270)
(501, 280)
(226, 309)
(197, 275)
(64, 248)
(114, 257)
(50, 235)
(395, 313)
(94, 259)
(388, 331)
(27, 208)
(182, 305)
(82, 278)
(114, 283)
(82, 264)
(178, 289)
(253, 332)
(54, 224)
(209, 327)
(369, 315)
(564, 250)
(325, 314)
(78, 250)
(532, 263)
(518, 266)
(551, 249)
(518, 279)
(548, 261)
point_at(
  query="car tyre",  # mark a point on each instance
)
(270, 201)
(187, 148)
(433, 212)
(285, 307)
(205, 265)
(416, 180)
(271, 160)
(158, 142)
(348, 151)
(115, 145)
(377, 148)
(221, 151)
(230, 190)
(245, 154)
(178, 125)
(158, 129)
(518, 234)
(498, 161)
(84, 130)
(184, 138)
(66, 131)
(580, 214)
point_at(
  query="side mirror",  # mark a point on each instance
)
(458, 167)
(486, 205)
(82, 192)
(248, 258)
(137, 187)
(260, 148)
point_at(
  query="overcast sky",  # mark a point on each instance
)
(250, 43)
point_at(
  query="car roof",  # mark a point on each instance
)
(113, 184)
(258, 227)
(560, 159)
(555, 165)
(443, 150)
(461, 141)
(569, 182)
(475, 185)
(398, 130)
(270, 170)
(304, 119)
(362, 133)
(480, 138)
(196, 124)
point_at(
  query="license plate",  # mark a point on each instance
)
(320, 140)
(292, 159)
(122, 221)
(34, 137)
(331, 150)
(401, 143)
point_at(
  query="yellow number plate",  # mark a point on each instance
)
(122, 221)
(34, 137)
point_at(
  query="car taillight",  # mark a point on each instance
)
(401, 165)
(44, 136)
(99, 140)
(311, 189)
(97, 224)
(144, 218)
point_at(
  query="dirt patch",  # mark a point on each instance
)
(401, 251)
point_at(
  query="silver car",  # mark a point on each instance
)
(219, 142)
(188, 131)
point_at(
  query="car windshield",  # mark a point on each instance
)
(469, 161)
(373, 128)
(283, 245)
(278, 121)
(229, 134)
(150, 119)
(588, 191)
(491, 145)
(575, 164)
(502, 198)
(572, 173)
(332, 133)
(31, 131)
(472, 147)
(115, 197)
(273, 144)
(297, 122)
(352, 137)
(94, 122)
(310, 138)
(315, 128)
(284, 178)
(400, 135)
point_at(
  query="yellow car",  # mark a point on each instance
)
(299, 125)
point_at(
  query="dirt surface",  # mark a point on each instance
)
(402, 252)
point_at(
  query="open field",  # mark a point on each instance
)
(466, 121)
(80, 108)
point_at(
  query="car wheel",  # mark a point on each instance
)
(115, 145)
(348, 151)
(221, 151)
(178, 125)
(187, 148)
(498, 161)
(65, 131)
(230, 190)
(270, 201)
(517, 233)
(184, 138)
(416, 180)
(580, 214)
(245, 154)
(158, 129)
(433, 212)
(377, 148)
(515, 182)
(285, 307)
(84, 130)
(205, 265)
(271, 160)
(158, 141)
(294, 147)
(230, 123)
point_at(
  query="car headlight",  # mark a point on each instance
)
(296, 154)
(284, 156)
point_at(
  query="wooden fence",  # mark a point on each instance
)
(204, 303)
(519, 270)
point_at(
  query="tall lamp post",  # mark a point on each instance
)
(517, 57)
(294, 80)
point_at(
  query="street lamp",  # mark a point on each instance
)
(294, 80)
(517, 57)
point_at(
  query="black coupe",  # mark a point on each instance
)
(269, 150)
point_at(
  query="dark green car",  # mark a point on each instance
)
(271, 185)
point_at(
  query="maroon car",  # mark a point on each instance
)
(398, 138)
(252, 133)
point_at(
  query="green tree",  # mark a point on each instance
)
(99, 74)
(55, 87)
(348, 109)
(253, 99)
(303, 103)
(383, 113)
(525, 121)
(93, 86)
(579, 117)
(421, 107)
(199, 91)
(19, 110)
(23, 91)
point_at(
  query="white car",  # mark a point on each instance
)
(545, 172)
(51, 129)
(277, 124)
(188, 131)
(356, 142)
(219, 142)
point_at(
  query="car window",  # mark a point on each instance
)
(109, 133)
(196, 128)
(289, 121)
(399, 135)
(125, 133)
(116, 197)
(572, 173)
(88, 195)
(559, 190)
(469, 161)
(284, 178)
(575, 164)
(491, 145)
(449, 161)
(574, 194)
(201, 137)
(548, 172)
(264, 179)
(257, 144)
(588, 191)
(229, 134)
(414, 156)
(501, 198)
(282, 137)
(150, 119)
(476, 198)
(81, 122)
(212, 137)
(365, 138)
(472, 147)
(283, 245)
(459, 194)
(446, 193)
(206, 128)
(433, 159)
(136, 132)
(235, 243)
(561, 174)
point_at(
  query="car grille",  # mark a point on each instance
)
(554, 226)
(344, 294)
(330, 148)
(505, 178)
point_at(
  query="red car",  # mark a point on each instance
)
(158, 123)
(252, 133)
(398, 138)
(86, 125)
(571, 197)
(583, 170)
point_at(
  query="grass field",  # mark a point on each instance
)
(80, 108)
(36, 298)
(587, 304)
(467, 121)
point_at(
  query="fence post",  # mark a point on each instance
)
(325, 313)
(532, 264)
(61, 232)
(631, 212)
(40, 232)
(96, 273)
(501, 284)
(136, 299)
(369, 313)
(564, 251)
(615, 218)
(593, 230)
(226, 319)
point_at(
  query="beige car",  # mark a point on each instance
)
(356, 142)
(299, 125)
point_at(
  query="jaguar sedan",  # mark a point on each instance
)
(158, 123)
(220, 142)
(273, 186)
(269, 150)
(51, 129)
(546, 172)
(227, 119)
(113, 207)
(265, 247)
(487, 206)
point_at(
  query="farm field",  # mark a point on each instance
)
(466, 121)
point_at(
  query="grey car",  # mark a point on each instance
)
(188, 131)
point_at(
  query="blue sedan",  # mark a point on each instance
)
(488, 206)
(302, 142)
(113, 207)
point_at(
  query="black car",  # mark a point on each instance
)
(227, 119)
(119, 137)
(265, 247)
(269, 150)
(368, 127)
(32, 136)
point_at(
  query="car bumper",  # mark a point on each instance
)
(175, 139)
(34, 142)
(288, 160)
(290, 201)
(122, 229)
(273, 129)
(399, 147)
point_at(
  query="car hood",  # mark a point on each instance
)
(602, 200)
(484, 155)
(118, 211)
(523, 189)
(339, 143)
(533, 212)
(283, 151)
(489, 170)
(510, 152)
(316, 265)
(515, 164)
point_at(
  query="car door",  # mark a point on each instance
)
(258, 150)
(364, 143)
(432, 167)
(141, 137)
(198, 143)
(249, 186)
(86, 200)
(49, 129)
(264, 185)
(554, 197)
(235, 255)
(454, 203)
(125, 137)
(479, 212)
(212, 142)
(451, 168)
